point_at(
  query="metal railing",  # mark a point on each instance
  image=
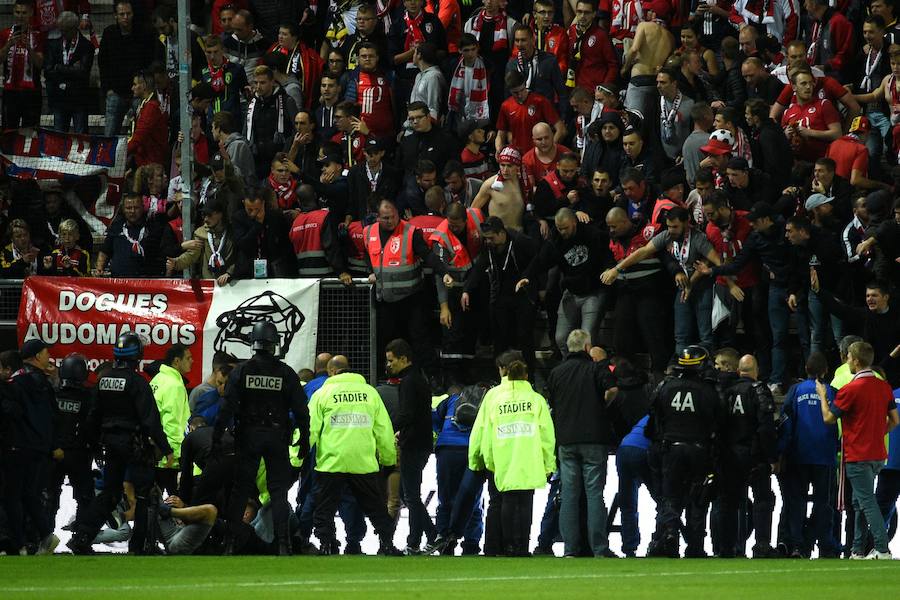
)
(10, 298)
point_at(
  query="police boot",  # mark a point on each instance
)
(329, 547)
(284, 545)
(387, 548)
(80, 544)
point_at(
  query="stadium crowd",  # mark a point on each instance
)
(718, 177)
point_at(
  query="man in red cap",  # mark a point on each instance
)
(717, 153)
(505, 193)
(851, 157)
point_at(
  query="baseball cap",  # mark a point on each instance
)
(738, 163)
(760, 210)
(213, 205)
(217, 163)
(374, 145)
(330, 158)
(720, 143)
(32, 348)
(468, 127)
(202, 91)
(816, 200)
(860, 124)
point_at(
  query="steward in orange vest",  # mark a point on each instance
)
(314, 239)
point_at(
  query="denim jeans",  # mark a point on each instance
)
(116, 107)
(779, 316)
(633, 469)
(824, 328)
(582, 469)
(579, 311)
(881, 128)
(797, 481)
(412, 463)
(693, 319)
(549, 533)
(63, 116)
(862, 475)
(451, 469)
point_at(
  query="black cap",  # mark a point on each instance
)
(217, 163)
(760, 210)
(877, 202)
(374, 145)
(468, 127)
(212, 205)
(739, 163)
(202, 91)
(331, 158)
(671, 177)
(32, 348)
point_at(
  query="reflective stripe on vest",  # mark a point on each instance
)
(306, 238)
(398, 272)
(460, 256)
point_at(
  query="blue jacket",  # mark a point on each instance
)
(313, 385)
(806, 439)
(208, 405)
(636, 437)
(893, 461)
(442, 423)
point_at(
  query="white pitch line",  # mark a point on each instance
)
(327, 584)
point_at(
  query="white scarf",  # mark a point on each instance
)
(373, 177)
(68, 51)
(279, 105)
(667, 119)
(215, 259)
(136, 246)
(869, 67)
(53, 233)
(680, 250)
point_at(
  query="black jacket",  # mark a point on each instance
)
(581, 259)
(749, 419)
(575, 393)
(70, 415)
(69, 83)
(437, 145)
(124, 406)
(760, 187)
(769, 147)
(388, 186)
(414, 416)
(504, 267)
(28, 403)
(269, 239)
(823, 251)
(121, 56)
(770, 248)
(734, 86)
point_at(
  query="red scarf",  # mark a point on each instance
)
(414, 33)
(217, 78)
(471, 102)
(285, 194)
(501, 36)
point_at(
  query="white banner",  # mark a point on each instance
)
(291, 304)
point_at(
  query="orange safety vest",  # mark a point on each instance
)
(356, 248)
(428, 224)
(306, 237)
(461, 256)
(398, 273)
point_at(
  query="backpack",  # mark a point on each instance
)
(467, 406)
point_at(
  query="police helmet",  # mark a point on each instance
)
(73, 371)
(692, 358)
(264, 336)
(129, 346)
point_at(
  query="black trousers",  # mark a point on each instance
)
(508, 521)
(407, 319)
(684, 469)
(642, 310)
(367, 488)
(76, 464)
(24, 475)
(512, 326)
(119, 457)
(21, 109)
(271, 445)
(740, 470)
(215, 484)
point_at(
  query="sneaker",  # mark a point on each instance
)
(47, 545)
(876, 555)
(389, 550)
(78, 545)
(439, 544)
(543, 551)
(414, 552)
(857, 556)
(329, 547)
(23, 551)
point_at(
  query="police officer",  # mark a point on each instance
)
(684, 416)
(126, 415)
(353, 436)
(749, 456)
(261, 394)
(71, 454)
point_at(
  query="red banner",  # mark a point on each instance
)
(86, 315)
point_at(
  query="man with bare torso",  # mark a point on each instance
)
(503, 193)
(652, 45)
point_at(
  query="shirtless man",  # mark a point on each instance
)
(652, 45)
(502, 193)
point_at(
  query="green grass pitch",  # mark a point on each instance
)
(196, 578)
